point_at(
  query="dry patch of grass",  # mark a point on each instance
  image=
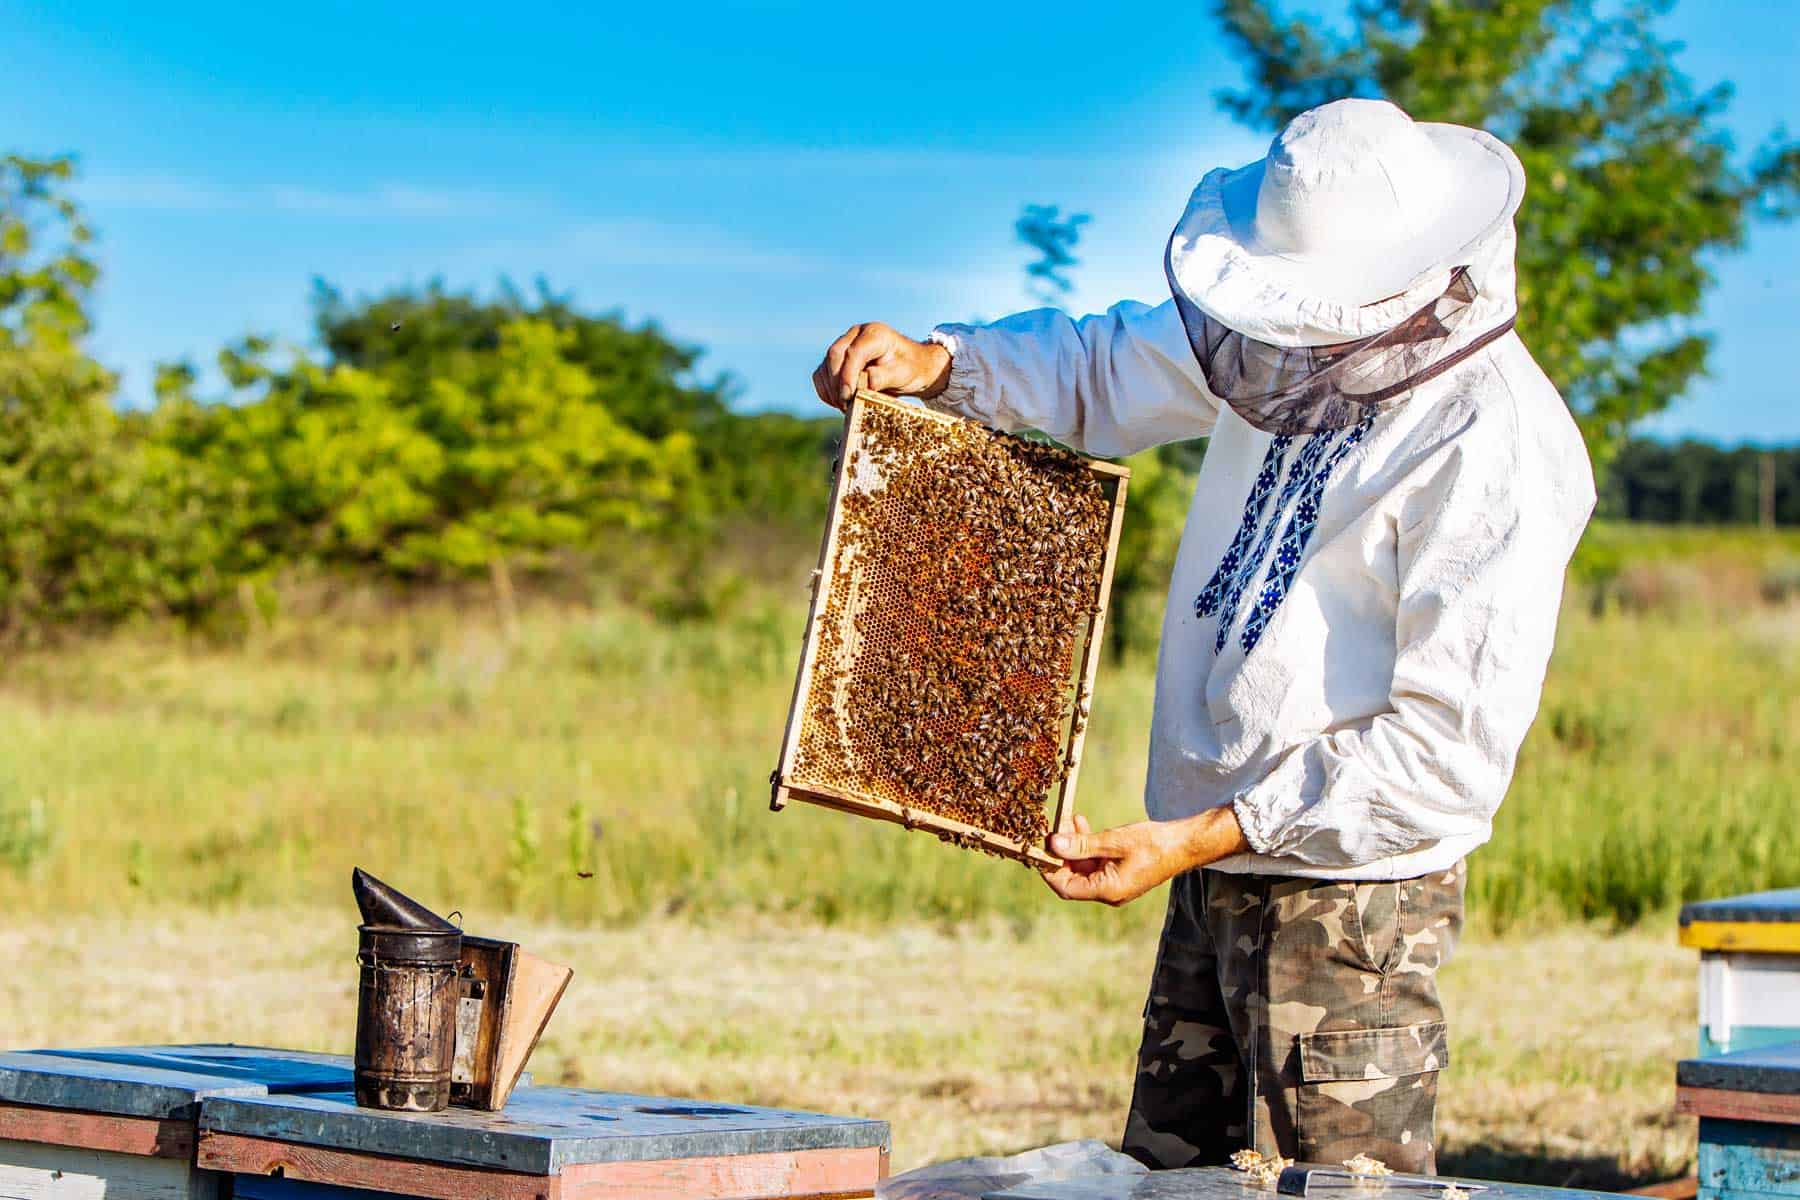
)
(1563, 1051)
(968, 1041)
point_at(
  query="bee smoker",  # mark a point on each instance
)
(441, 1018)
(406, 1001)
(406, 1017)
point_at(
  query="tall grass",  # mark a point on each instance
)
(607, 766)
(1660, 770)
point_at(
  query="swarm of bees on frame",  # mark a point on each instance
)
(967, 570)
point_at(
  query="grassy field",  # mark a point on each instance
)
(604, 767)
(970, 1041)
(178, 820)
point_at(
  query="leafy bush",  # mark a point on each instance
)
(506, 455)
(67, 475)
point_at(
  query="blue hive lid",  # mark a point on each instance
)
(1777, 906)
(161, 1081)
(1767, 1070)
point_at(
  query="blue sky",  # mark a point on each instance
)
(753, 176)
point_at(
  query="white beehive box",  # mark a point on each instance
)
(1749, 969)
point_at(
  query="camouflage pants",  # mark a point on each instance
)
(1296, 1016)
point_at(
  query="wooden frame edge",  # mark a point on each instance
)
(1090, 667)
(917, 410)
(790, 739)
(864, 805)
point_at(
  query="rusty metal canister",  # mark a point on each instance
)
(406, 1017)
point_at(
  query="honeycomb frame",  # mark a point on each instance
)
(794, 779)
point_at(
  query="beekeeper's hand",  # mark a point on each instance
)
(894, 362)
(1119, 865)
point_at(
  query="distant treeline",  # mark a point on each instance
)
(1694, 482)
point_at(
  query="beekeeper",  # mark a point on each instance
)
(1358, 622)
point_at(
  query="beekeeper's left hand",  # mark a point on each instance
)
(1116, 866)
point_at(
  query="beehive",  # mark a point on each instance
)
(956, 625)
(1749, 969)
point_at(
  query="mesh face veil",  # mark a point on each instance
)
(1292, 391)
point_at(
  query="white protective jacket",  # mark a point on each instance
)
(1369, 732)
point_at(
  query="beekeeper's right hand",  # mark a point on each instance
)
(895, 363)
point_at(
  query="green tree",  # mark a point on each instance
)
(67, 473)
(645, 379)
(487, 457)
(1634, 182)
(755, 466)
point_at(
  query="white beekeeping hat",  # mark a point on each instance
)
(1354, 221)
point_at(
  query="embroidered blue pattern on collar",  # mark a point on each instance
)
(1299, 531)
(1208, 601)
(1299, 474)
(1242, 562)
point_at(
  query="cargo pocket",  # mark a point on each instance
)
(1371, 1091)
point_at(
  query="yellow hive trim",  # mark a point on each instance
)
(1765, 937)
(962, 577)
